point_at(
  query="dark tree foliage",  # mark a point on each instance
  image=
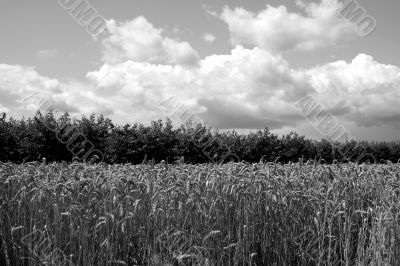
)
(46, 136)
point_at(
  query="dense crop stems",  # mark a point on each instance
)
(232, 214)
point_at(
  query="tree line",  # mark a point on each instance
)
(66, 138)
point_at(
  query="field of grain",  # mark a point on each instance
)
(233, 214)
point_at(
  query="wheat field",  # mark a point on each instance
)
(232, 214)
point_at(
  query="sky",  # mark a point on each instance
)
(242, 65)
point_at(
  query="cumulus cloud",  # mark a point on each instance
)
(18, 82)
(245, 89)
(363, 91)
(248, 88)
(253, 88)
(134, 89)
(277, 29)
(252, 84)
(23, 90)
(140, 41)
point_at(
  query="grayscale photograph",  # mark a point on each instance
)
(199, 132)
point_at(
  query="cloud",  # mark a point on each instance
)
(368, 91)
(22, 89)
(20, 81)
(247, 88)
(19, 84)
(208, 38)
(47, 54)
(140, 41)
(277, 29)
(252, 87)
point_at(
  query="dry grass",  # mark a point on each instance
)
(234, 214)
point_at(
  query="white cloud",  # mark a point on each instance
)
(22, 80)
(140, 41)
(277, 29)
(22, 90)
(363, 91)
(245, 89)
(253, 88)
(248, 88)
(208, 38)
(47, 54)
